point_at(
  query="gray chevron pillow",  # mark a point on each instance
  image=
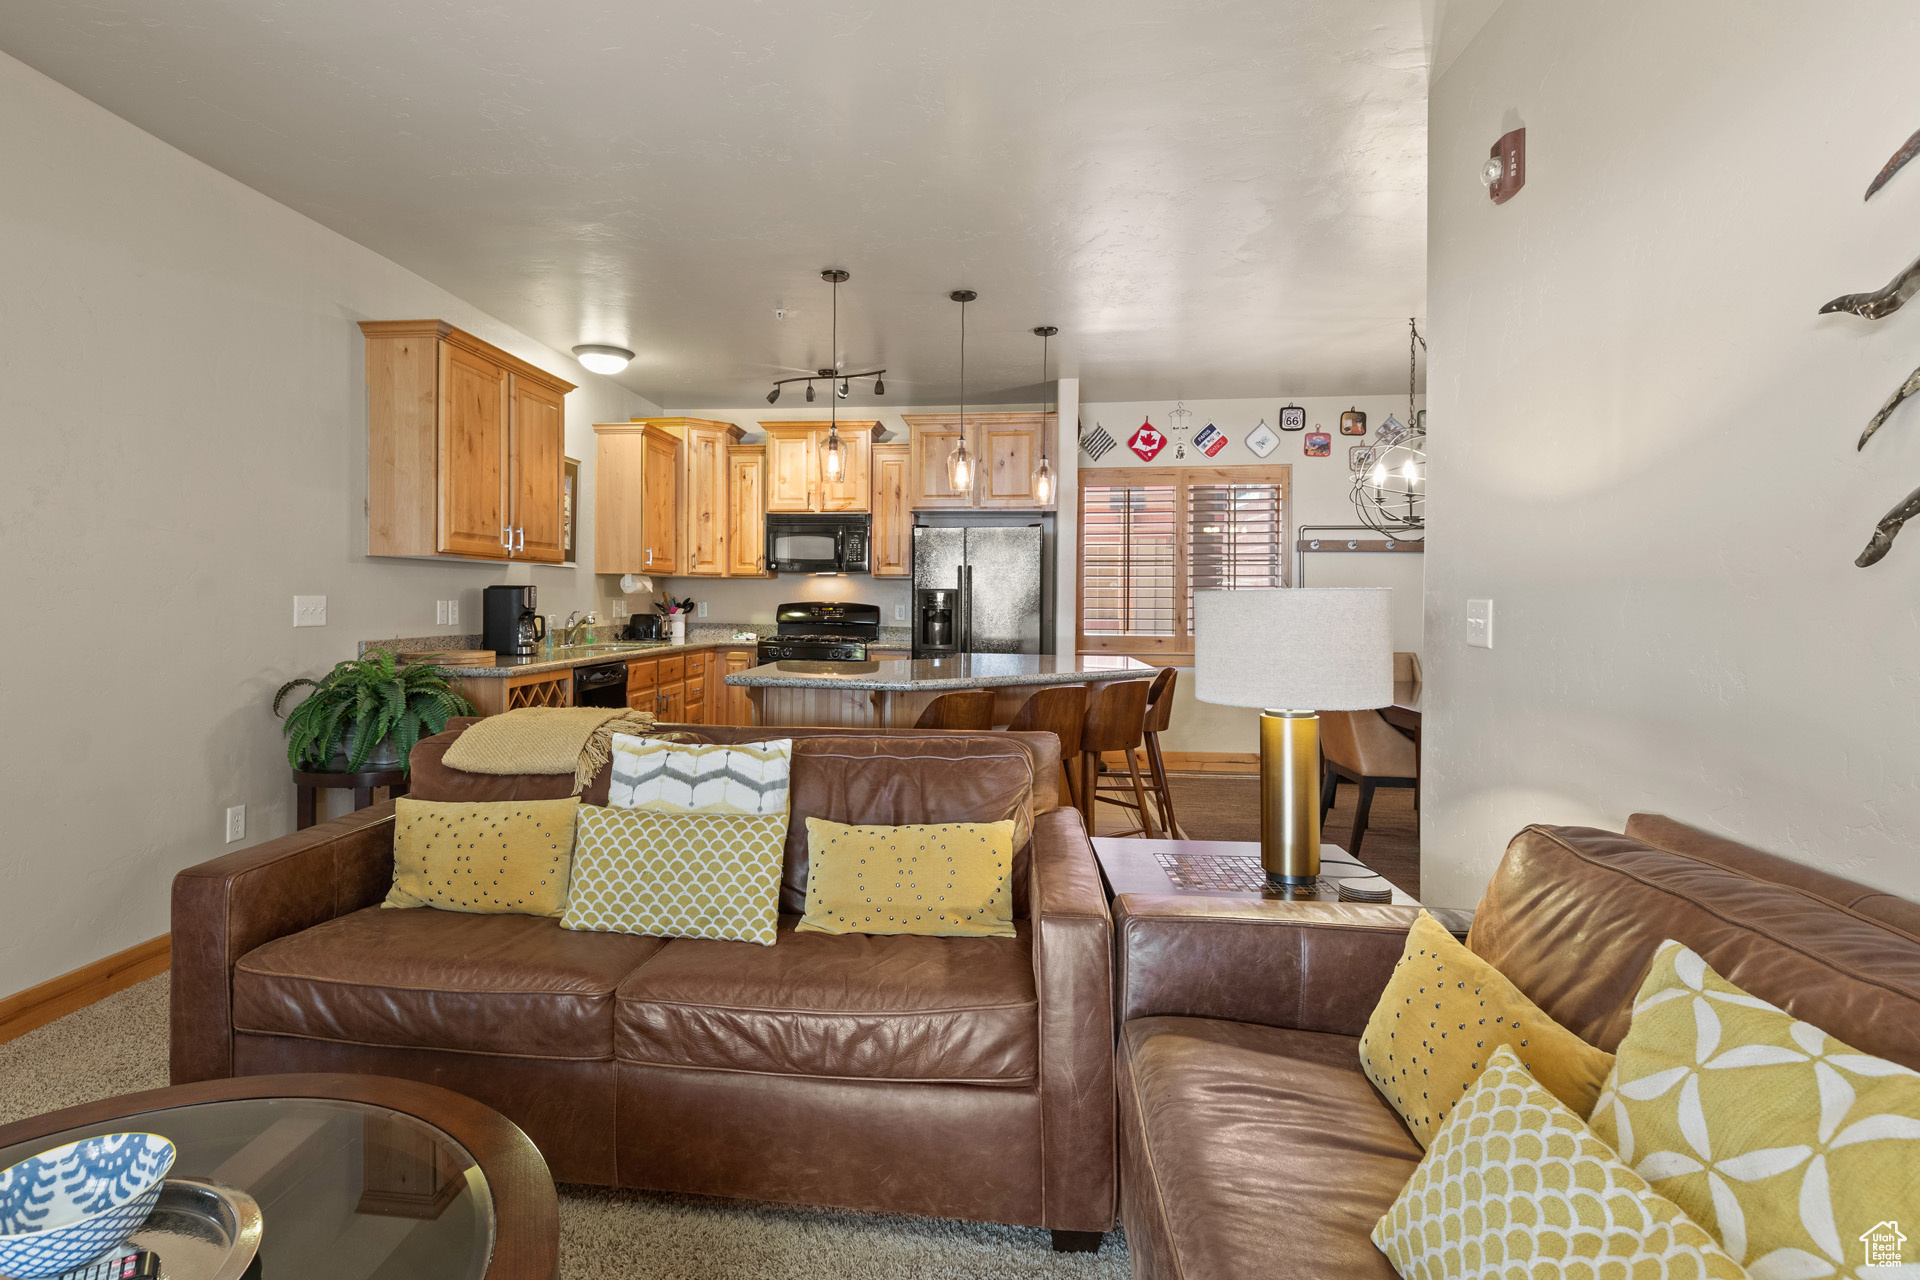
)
(747, 779)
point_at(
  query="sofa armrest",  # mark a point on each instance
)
(1311, 966)
(1073, 977)
(225, 908)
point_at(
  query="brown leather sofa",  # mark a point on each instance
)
(1251, 1143)
(954, 1077)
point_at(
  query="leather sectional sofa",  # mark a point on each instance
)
(956, 1077)
(1253, 1146)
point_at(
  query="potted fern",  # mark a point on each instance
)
(367, 713)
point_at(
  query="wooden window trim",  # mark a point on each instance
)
(1181, 479)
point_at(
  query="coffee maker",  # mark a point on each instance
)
(509, 624)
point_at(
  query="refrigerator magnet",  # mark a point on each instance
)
(1293, 418)
(1147, 442)
(1210, 441)
(1262, 440)
(1319, 444)
(1353, 423)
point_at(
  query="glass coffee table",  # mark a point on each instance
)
(357, 1177)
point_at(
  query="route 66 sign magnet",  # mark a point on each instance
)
(1293, 418)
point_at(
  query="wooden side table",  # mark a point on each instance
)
(1219, 868)
(307, 785)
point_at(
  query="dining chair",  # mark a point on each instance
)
(1115, 721)
(1158, 716)
(1060, 710)
(964, 709)
(1364, 749)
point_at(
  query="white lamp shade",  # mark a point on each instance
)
(1294, 648)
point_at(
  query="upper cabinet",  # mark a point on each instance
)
(636, 498)
(465, 446)
(892, 511)
(1006, 448)
(747, 511)
(795, 479)
(704, 486)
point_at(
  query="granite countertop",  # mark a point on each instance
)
(963, 671)
(706, 635)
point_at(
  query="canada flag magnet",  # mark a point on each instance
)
(1147, 442)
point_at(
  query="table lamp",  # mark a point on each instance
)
(1293, 652)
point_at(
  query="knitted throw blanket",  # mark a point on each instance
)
(576, 740)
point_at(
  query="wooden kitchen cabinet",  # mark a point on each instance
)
(643, 686)
(1006, 448)
(747, 511)
(465, 446)
(892, 511)
(636, 499)
(731, 704)
(794, 479)
(704, 492)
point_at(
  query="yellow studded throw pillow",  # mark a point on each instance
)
(954, 880)
(677, 875)
(1515, 1184)
(495, 857)
(1444, 1012)
(1793, 1149)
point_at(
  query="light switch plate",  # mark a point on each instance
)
(899, 613)
(309, 611)
(1480, 624)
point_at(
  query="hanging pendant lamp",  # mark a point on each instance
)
(1043, 480)
(960, 463)
(833, 453)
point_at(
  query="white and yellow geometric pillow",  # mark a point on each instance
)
(1789, 1146)
(677, 875)
(1516, 1185)
(670, 777)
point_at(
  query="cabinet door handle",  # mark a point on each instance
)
(506, 537)
(520, 538)
(649, 557)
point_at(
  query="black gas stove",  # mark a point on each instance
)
(821, 631)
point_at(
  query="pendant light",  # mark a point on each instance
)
(960, 466)
(833, 453)
(1043, 481)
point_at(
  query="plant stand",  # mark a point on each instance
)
(307, 785)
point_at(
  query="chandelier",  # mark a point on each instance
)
(1390, 494)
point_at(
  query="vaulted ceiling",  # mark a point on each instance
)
(1208, 197)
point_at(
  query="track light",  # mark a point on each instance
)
(844, 389)
(773, 395)
(602, 359)
(840, 384)
(879, 386)
(809, 393)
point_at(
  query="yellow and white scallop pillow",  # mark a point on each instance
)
(677, 875)
(1515, 1185)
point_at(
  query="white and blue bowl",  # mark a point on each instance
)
(67, 1206)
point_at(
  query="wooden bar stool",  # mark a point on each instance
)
(1061, 711)
(1116, 721)
(965, 709)
(1159, 716)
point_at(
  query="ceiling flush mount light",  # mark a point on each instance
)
(960, 466)
(841, 384)
(602, 359)
(1043, 481)
(1390, 495)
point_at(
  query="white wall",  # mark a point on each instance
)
(1643, 435)
(184, 423)
(1320, 497)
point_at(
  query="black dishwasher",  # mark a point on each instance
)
(602, 685)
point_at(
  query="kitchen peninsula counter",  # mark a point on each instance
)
(893, 693)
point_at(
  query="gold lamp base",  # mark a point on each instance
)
(1290, 796)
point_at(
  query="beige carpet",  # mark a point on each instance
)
(120, 1045)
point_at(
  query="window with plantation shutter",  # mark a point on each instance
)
(1150, 536)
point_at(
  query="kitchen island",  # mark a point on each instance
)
(891, 694)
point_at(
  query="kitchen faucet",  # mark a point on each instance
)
(570, 633)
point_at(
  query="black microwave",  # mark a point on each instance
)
(817, 544)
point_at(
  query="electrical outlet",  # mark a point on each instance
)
(439, 613)
(899, 613)
(309, 611)
(620, 611)
(1480, 624)
(453, 613)
(702, 609)
(236, 823)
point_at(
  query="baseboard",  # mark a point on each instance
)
(1197, 761)
(57, 997)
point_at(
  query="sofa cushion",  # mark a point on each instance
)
(1612, 900)
(519, 986)
(851, 1006)
(1254, 1151)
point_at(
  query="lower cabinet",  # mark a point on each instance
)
(732, 706)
